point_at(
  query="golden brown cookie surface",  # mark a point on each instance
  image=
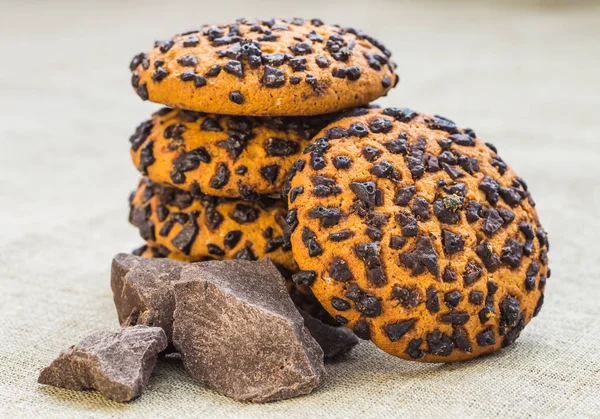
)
(417, 235)
(194, 228)
(270, 67)
(231, 156)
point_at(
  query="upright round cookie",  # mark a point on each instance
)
(265, 68)
(417, 235)
(188, 227)
(231, 156)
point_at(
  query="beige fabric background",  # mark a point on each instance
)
(525, 76)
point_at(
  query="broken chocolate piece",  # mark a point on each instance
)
(142, 290)
(260, 350)
(334, 340)
(117, 363)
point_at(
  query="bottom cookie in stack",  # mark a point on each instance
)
(195, 227)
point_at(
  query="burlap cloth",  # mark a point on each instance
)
(524, 76)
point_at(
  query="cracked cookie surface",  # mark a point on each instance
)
(231, 156)
(269, 67)
(183, 226)
(417, 235)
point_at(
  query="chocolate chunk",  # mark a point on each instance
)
(509, 311)
(492, 222)
(142, 290)
(371, 153)
(433, 302)
(472, 212)
(490, 187)
(397, 146)
(341, 162)
(340, 304)
(333, 340)
(440, 344)
(384, 169)
(512, 196)
(407, 297)
(325, 186)
(213, 71)
(453, 243)
(221, 177)
(309, 240)
(395, 331)
(452, 298)
(458, 317)
(186, 237)
(234, 67)
(487, 255)
(476, 297)
(340, 236)
(420, 208)
(328, 217)
(279, 147)
(236, 97)
(422, 258)
(339, 270)
(301, 48)
(273, 77)
(368, 305)
(442, 124)
(413, 349)
(486, 338)
(117, 363)
(397, 242)
(449, 275)
(270, 173)
(461, 340)
(298, 190)
(243, 214)
(538, 305)
(380, 125)
(365, 191)
(447, 209)
(369, 253)
(512, 253)
(358, 130)
(362, 330)
(404, 195)
(472, 273)
(221, 351)
(304, 277)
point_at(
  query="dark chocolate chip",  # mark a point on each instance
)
(339, 270)
(232, 238)
(476, 297)
(270, 173)
(328, 217)
(340, 304)
(341, 162)
(422, 258)
(452, 298)
(440, 344)
(459, 317)
(304, 277)
(309, 240)
(486, 338)
(433, 302)
(236, 97)
(472, 273)
(395, 331)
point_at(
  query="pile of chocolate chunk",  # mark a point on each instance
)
(285, 216)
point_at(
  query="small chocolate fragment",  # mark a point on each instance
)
(117, 363)
(221, 351)
(334, 340)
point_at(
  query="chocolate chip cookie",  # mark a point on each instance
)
(417, 235)
(184, 226)
(270, 67)
(232, 156)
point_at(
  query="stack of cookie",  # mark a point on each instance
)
(244, 101)
(408, 229)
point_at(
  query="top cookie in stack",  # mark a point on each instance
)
(244, 100)
(265, 68)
